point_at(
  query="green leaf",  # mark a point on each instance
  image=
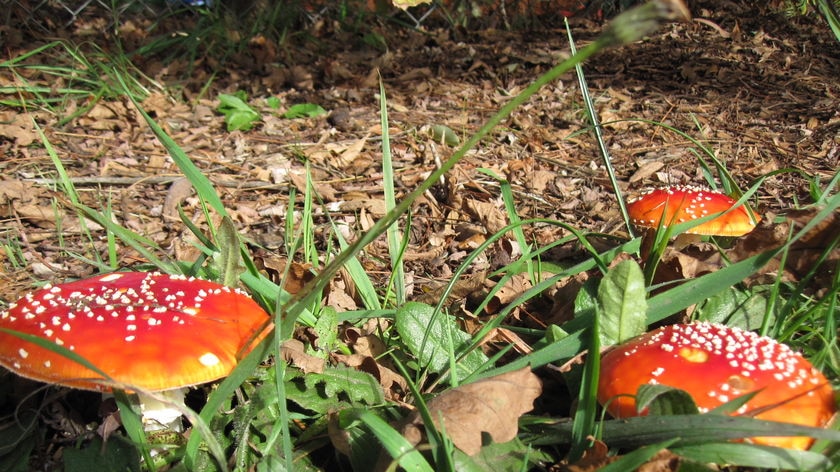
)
(664, 400)
(116, 454)
(689, 429)
(358, 386)
(433, 336)
(326, 328)
(239, 116)
(735, 308)
(623, 304)
(227, 241)
(444, 134)
(634, 460)
(403, 452)
(586, 300)
(17, 440)
(751, 455)
(304, 110)
(273, 102)
(511, 456)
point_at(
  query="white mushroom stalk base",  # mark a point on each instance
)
(162, 411)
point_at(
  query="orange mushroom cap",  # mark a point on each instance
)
(146, 330)
(715, 364)
(679, 204)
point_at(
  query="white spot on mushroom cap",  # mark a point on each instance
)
(111, 277)
(209, 359)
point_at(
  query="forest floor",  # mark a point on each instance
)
(759, 89)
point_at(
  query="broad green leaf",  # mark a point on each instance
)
(735, 308)
(304, 110)
(239, 116)
(664, 400)
(116, 454)
(444, 134)
(432, 338)
(682, 296)
(623, 303)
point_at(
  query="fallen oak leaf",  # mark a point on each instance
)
(492, 405)
(406, 4)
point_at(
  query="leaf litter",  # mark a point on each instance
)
(733, 80)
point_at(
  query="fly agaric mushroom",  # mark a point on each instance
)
(146, 331)
(680, 204)
(715, 364)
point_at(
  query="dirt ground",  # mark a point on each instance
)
(756, 87)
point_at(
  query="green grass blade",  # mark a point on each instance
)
(397, 446)
(395, 246)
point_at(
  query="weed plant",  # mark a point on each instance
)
(273, 416)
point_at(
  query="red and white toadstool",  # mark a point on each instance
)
(146, 331)
(715, 364)
(679, 204)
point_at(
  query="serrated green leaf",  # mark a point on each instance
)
(355, 385)
(304, 110)
(431, 339)
(326, 328)
(621, 295)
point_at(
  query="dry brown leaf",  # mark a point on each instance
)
(178, 191)
(294, 352)
(17, 190)
(492, 405)
(488, 213)
(393, 384)
(593, 459)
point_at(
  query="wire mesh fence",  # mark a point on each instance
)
(47, 14)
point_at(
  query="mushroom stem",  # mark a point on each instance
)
(163, 411)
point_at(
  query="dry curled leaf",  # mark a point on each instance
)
(294, 353)
(492, 405)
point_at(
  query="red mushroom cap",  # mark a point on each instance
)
(146, 330)
(679, 204)
(715, 364)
